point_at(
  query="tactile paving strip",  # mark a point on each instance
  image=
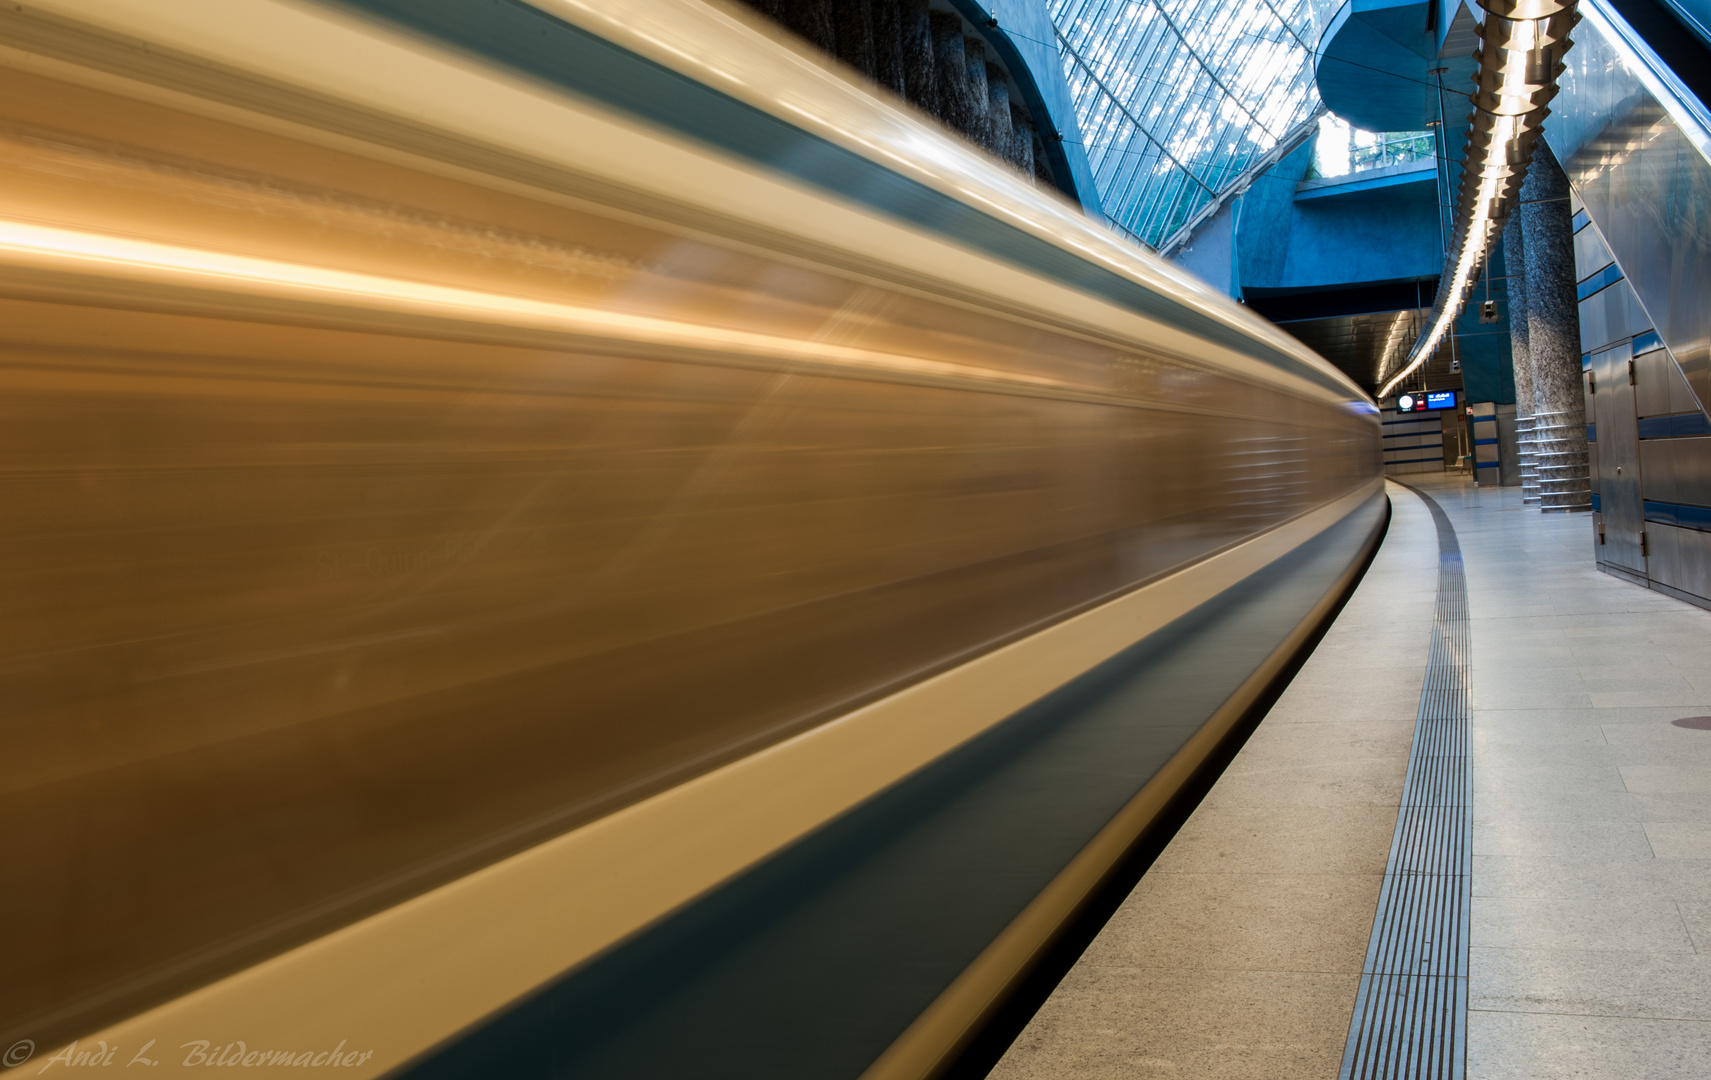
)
(1410, 1015)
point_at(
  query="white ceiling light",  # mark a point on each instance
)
(1522, 43)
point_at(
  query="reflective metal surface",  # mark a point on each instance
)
(1680, 559)
(1692, 469)
(1654, 372)
(1637, 148)
(1610, 314)
(1590, 254)
(382, 506)
(1618, 460)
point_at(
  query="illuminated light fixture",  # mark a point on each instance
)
(1522, 43)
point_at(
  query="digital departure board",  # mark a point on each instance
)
(1435, 399)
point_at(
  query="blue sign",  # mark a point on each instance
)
(1441, 399)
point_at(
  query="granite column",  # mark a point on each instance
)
(1553, 336)
(1515, 266)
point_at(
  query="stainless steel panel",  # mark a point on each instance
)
(1657, 469)
(1610, 315)
(1603, 318)
(1587, 383)
(1681, 558)
(1509, 465)
(1691, 459)
(1637, 148)
(1618, 459)
(1590, 254)
(1653, 373)
(1681, 396)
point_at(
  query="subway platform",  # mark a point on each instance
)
(1571, 936)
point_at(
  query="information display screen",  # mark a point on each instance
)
(1437, 399)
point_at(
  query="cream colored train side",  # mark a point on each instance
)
(570, 538)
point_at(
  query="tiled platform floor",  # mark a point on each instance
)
(1592, 813)
(1239, 953)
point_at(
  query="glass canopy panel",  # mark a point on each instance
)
(1177, 97)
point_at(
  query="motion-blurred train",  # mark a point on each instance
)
(572, 538)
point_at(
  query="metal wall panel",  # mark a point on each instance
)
(1633, 142)
(1487, 453)
(1681, 558)
(1618, 459)
(1657, 469)
(1591, 440)
(1652, 375)
(1507, 448)
(1681, 396)
(1590, 254)
(1610, 315)
(1691, 459)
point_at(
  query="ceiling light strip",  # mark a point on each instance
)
(1522, 44)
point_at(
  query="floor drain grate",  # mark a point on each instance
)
(1410, 1015)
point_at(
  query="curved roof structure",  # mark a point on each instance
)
(1176, 98)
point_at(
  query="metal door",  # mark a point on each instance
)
(1618, 457)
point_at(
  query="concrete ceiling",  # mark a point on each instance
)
(1357, 344)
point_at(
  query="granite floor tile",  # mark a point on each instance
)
(1590, 878)
(1662, 693)
(1676, 806)
(1584, 715)
(1562, 752)
(1551, 778)
(1320, 742)
(1542, 1046)
(1345, 782)
(1571, 839)
(1318, 704)
(1657, 985)
(1270, 922)
(1680, 839)
(1518, 738)
(1389, 678)
(1567, 696)
(1665, 779)
(1279, 839)
(1136, 1024)
(1635, 925)
(1560, 808)
(1697, 915)
(1658, 737)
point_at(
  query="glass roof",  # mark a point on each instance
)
(1177, 97)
